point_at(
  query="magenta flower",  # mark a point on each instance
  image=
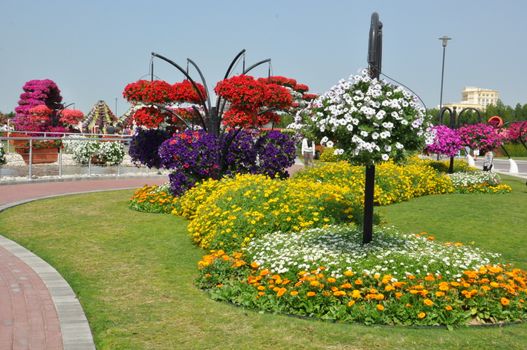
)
(446, 141)
(480, 136)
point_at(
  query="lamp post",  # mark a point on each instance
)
(444, 42)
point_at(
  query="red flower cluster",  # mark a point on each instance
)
(157, 91)
(249, 98)
(71, 116)
(242, 91)
(301, 87)
(149, 117)
(309, 97)
(247, 118)
(185, 92)
(279, 80)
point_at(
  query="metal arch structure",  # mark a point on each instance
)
(213, 114)
(454, 123)
(467, 109)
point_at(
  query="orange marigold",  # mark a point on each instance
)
(504, 301)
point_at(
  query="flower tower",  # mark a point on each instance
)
(367, 121)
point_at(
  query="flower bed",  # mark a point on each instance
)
(479, 181)
(235, 210)
(152, 199)
(396, 280)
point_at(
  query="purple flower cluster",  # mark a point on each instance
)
(480, 136)
(198, 155)
(446, 141)
(193, 155)
(145, 145)
(239, 152)
(276, 152)
(37, 92)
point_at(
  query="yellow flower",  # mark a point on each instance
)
(294, 293)
(348, 273)
(504, 301)
(428, 302)
(351, 303)
(448, 308)
(355, 294)
(314, 283)
(421, 315)
(281, 292)
(380, 307)
(331, 280)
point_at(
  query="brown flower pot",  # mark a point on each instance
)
(40, 155)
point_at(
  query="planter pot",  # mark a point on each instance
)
(40, 155)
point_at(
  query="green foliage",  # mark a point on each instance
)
(515, 150)
(2, 154)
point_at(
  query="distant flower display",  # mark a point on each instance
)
(38, 93)
(71, 117)
(446, 141)
(517, 131)
(480, 136)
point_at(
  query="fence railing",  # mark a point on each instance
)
(69, 155)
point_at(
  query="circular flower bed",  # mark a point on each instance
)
(396, 279)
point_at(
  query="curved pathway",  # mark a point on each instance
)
(38, 309)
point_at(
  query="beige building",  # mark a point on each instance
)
(474, 97)
(482, 97)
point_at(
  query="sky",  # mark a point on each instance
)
(92, 49)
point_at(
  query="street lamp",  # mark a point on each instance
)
(444, 40)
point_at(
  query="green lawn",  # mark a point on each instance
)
(133, 273)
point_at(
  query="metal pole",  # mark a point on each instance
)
(444, 41)
(374, 63)
(442, 78)
(30, 171)
(60, 161)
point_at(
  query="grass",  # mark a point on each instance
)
(134, 272)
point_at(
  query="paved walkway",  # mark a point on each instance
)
(38, 309)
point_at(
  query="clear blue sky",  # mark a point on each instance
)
(92, 49)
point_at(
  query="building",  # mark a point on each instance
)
(474, 97)
(482, 97)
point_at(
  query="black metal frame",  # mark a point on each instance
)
(211, 121)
